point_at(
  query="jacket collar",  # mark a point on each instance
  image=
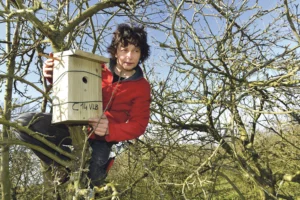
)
(137, 75)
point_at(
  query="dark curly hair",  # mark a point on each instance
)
(126, 34)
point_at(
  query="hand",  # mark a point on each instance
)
(100, 125)
(48, 67)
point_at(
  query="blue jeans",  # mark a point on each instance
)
(60, 136)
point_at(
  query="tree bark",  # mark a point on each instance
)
(5, 178)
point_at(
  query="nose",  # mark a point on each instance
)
(129, 54)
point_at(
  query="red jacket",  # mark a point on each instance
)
(126, 105)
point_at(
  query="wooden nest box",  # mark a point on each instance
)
(77, 91)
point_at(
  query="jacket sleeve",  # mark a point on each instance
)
(138, 119)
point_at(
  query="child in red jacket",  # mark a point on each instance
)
(126, 104)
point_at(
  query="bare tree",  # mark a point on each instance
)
(233, 74)
(57, 25)
(225, 80)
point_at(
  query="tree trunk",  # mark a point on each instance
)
(5, 179)
(80, 167)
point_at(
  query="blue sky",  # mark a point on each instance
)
(152, 34)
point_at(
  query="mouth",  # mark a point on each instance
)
(129, 63)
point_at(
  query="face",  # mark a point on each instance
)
(128, 57)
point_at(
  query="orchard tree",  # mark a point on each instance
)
(40, 27)
(225, 95)
(233, 74)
